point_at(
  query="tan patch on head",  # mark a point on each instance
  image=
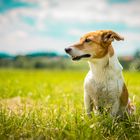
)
(93, 46)
(79, 46)
(100, 43)
(124, 96)
(94, 36)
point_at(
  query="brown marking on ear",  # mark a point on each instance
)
(108, 36)
(110, 51)
(124, 96)
(117, 36)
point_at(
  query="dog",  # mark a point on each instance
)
(104, 86)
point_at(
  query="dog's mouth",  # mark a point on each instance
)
(81, 56)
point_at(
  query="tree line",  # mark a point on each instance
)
(54, 61)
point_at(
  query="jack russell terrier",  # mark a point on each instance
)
(104, 86)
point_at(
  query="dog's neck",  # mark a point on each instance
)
(100, 68)
(99, 62)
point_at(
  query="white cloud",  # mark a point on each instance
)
(75, 32)
(17, 36)
(21, 43)
(97, 11)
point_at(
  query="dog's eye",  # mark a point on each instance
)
(87, 40)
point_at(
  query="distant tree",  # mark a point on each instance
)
(39, 65)
(135, 65)
(137, 54)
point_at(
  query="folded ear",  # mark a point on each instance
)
(109, 36)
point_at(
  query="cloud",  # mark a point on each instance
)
(21, 43)
(98, 11)
(53, 24)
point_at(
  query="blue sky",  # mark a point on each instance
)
(52, 25)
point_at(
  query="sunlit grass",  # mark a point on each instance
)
(49, 105)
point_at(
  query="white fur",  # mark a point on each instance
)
(76, 52)
(103, 84)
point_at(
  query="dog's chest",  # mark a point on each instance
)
(104, 93)
(104, 88)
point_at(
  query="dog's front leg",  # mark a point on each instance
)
(115, 108)
(88, 104)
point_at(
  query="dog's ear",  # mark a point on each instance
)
(109, 36)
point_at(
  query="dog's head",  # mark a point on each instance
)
(93, 45)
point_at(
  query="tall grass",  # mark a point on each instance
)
(49, 105)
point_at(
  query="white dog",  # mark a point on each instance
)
(104, 87)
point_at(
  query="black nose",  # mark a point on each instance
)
(67, 50)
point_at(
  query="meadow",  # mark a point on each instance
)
(48, 105)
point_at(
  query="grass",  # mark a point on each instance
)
(49, 105)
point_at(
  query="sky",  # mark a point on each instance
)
(51, 25)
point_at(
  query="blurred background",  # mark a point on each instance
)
(34, 33)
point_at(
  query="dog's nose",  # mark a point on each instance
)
(67, 50)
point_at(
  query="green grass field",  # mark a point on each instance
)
(49, 105)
